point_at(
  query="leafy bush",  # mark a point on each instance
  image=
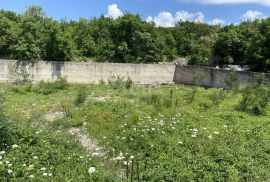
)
(81, 96)
(119, 83)
(128, 83)
(47, 88)
(217, 96)
(232, 80)
(255, 98)
(154, 99)
(199, 55)
(191, 95)
(21, 88)
(60, 84)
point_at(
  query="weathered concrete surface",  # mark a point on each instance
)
(211, 77)
(78, 72)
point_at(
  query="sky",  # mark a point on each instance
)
(163, 12)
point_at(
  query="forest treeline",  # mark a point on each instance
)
(129, 39)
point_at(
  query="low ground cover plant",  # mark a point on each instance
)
(149, 133)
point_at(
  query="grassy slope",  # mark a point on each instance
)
(147, 123)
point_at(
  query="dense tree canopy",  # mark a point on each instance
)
(34, 36)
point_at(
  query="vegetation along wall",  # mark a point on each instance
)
(79, 72)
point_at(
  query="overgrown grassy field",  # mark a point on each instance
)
(147, 133)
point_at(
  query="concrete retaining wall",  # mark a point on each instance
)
(77, 72)
(211, 77)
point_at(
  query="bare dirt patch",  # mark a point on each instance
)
(54, 115)
(88, 143)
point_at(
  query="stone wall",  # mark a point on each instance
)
(78, 72)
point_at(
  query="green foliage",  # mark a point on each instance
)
(200, 55)
(5, 134)
(232, 80)
(190, 96)
(255, 98)
(21, 88)
(41, 155)
(129, 39)
(154, 99)
(47, 88)
(206, 140)
(217, 97)
(120, 83)
(128, 83)
(81, 96)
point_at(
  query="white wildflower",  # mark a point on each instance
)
(119, 158)
(45, 174)
(43, 169)
(35, 157)
(91, 170)
(10, 171)
(14, 146)
(50, 174)
(216, 133)
(95, 154)
(2, 152)
(180, 142)
(132, 157)
(31, 176)
(210, 137)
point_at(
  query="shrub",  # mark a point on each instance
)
(60, 84)
(22, 88)
(128, 83)
(154, 99)
(199, 55)
(217, 96)
(81, 96)
(232, 80)
(255, 98)
(47, 88)
(119, 83)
